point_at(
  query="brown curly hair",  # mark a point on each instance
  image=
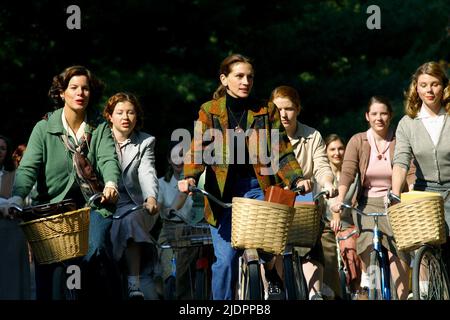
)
(413, 102)
(61, 82)
(122, 97)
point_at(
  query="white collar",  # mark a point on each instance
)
(300, 133)
(69, 130)
(124, 142)
(424, 113)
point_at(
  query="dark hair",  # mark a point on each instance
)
(286, 92)
(382, 100)
(169, 172)
(331, 138)
(8, 163)
(413, 103)
(122, 97)
(225, 68)
(61, 82)
(18, 154)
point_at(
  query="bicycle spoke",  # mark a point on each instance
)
(430, 281)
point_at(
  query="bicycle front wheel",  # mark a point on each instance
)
(250, 282)
(60, 289)
(429, 278)
(289, 277)
(300, 281)
(345, 294)
(374, 273)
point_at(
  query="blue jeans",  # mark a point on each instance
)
(99, 228)
(225, 268)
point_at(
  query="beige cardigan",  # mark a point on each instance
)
(310, 152)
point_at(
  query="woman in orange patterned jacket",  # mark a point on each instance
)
(244, 132)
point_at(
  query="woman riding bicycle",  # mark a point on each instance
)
(238, 169)
(48, 161)
(309, 150)
(176, 209)
(335, 153)
(130, 235)
(422, 135)
(15, 266)
(369, 154)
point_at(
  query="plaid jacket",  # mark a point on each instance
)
(213, 115)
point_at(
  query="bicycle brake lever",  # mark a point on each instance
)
(345, 206)
(128, 212)
(300, 189)
(94, 198)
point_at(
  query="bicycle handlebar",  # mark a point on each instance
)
(301, 190)
(17, 211)
(135, 208)
(94, 198)
(320, 194)
(210, 196)
(372, 214)
(229, 205)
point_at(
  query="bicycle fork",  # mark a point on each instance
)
(384, 266)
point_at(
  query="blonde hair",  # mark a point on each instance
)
(412, 99)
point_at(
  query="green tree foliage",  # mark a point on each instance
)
(168, 53)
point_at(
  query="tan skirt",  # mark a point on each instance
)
(365, 226)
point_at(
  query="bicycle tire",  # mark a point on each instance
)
(58, 283)
(170, 288)
(374, 273)
(60, 291)
(253, 290)
(344, 293)
(289, 277)
(300, 281)
(436, 277)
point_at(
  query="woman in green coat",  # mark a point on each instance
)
(48, 159)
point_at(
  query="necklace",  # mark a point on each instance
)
(238, 128)
(381, 151)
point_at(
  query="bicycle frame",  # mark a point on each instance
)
(296, 286)
(379, 250)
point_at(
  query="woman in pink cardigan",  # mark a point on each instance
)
(370, 154)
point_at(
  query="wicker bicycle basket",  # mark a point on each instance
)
(181, 235)
(59, 237)
(418, 221)
(305, 226)
(257, 224)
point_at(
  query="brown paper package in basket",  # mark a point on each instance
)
(59, 237)
(257, 224)
(279, 195)
(418, 221)
(305, 226)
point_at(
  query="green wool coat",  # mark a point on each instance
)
(47, 162)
